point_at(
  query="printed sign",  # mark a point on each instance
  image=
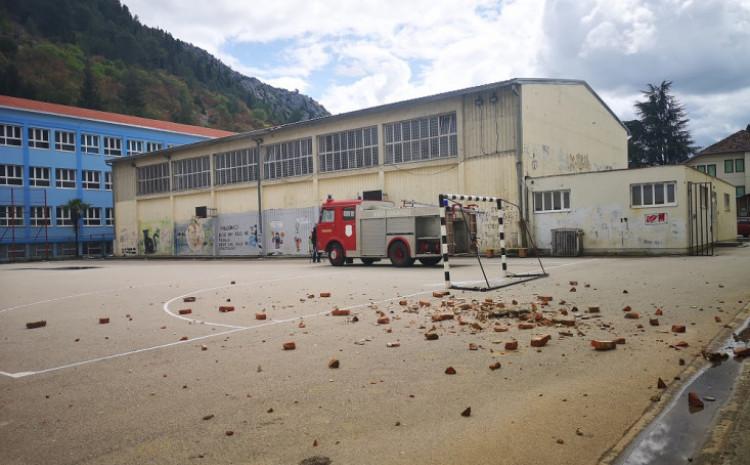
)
(656, 218)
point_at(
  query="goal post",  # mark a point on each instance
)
(506, 279)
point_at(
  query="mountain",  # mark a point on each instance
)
(96, 54)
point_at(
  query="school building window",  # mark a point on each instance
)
(63, 217)
(236, 166)
(39, 216)
(112, 146)
(153, 146)
(135, 147)
(708, 169)
(421, 139)
(356, 148)
(292, 158)
(11, 215)
(10, 135)
(39, 138)
(109, 218)
(191, 173)
(652, 194)
(92, 216)
(729, 166)
(11, 175)
(153, 179)
(739, 165)
(90, 179)
(90, 143)
(65, 141)
(740, 191)
(108, 180)
(65, 178)
(39, 176)
(551, 201)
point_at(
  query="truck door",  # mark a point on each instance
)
(349, 223)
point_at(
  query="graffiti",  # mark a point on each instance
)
(195, 237)
(237, 234)
(656, 218)
(156, 238)
(127, 241)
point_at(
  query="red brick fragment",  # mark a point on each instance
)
(260, 316)
(229, 433)
(717, 319)
(431, 336)
(442, 317)
(658, 312)
(424, 303)
(694, 401)
(653, 321)
(289, 346)
(36, 324)
(466, 412)
(678, 328)
(185, 311)
(465, 306)
(500, 329)
(226, 308)
(603, 345)
(333, 363)
(188, 299)
(340, 312)
(495, 366)
(511, 345)
(440, 294)
(473, 346)
(184, 338)
(384, 320)
(572, 289)
(542, 298)
(526, 325)
(393, 344)
(627, 308)
(620, 341)
(104, 320)
(594, 309)
(403, 302)
(742, 352)
(450, 371)
(682, 344)
(632, 315)
(325, 294)
(540, 341)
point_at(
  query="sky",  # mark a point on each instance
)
(355, 54)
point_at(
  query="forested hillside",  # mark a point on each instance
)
(96, 54)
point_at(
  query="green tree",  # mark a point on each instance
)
(132, 92)
(77, 207)
(89, 97)
(660, 136)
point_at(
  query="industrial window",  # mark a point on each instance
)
(153, 179)
(89, 143)
(39, 138)
(740, 191)
(293, 158)
(11, 175)
(63, 216)
(39, 216)
(11, 215)
(729, 166)
(109, 218)
(66, 178)
(236, 166)
(135, 147)
(65, 141)
(191, 173)
(10, 134)
(652, 194)
(344, 150)
(112, 146)
(108, 180)
(421, 139)
(153, 146)
(551, 201)
(92, 216)
(739, 165)
(38, 176)
(90, 179)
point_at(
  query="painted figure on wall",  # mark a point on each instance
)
(297, 238)
(277, 239)
(150, 244)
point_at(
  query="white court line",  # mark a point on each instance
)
(24, 374)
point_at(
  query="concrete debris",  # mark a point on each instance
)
(466, 412)
(573, 283)
(340, 312)
(260, 316)
(301, 325)
(36, 324)
(450, 371)
(289, 346)
(603, 345)
(325, 294)
(104, 320)
(694, 401)
(310, 296)
(226, 308)
(315, 443)
(560, 441)
(678, 328)
(714, 357)
(424, 303)
(333, 363)
(495, 366)
(572, 289)
(540, 341)
(188, 299)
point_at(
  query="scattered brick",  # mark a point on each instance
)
(301, 324)
(188, 299)
(742, 352)
(572, 289)
(661, 384)
(384, 320)
(340, 312)
(653, 321)
(632, 315)
(541, 298)
(624, 291)
(717, 319)
(208, 417)
(104, 320)
(185, 311)
(424, 303)
(226, 308)
(477, 326)
(315, 443)
(36, 324)
(440, 294)
(431, 336)
(511, 345)
(526, 325)
(393, 344)
(658, 312)
(450, 371)
(403, 302)
(260, 316)
(594, 309)
(682, 344)
(289, 346)
(229, 432)
(500, 329)
(442, 317)
(473, 346)
(540, 341)
(678, 328)
(466, 412)
(465, 306)
(333, 363)
(325, 294)
(603, 345)
(495, 366)
(204, 347)
(184, 338)
(694, 401)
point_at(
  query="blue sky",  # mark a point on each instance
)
(350, 55)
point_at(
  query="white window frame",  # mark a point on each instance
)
(90, 144)
(112, 146)
(109, 216)
(191, 173)
(39, 138)
(107, 180)
(39, 176)
(237, 166)
(63, 216)
(152, 179)
(153, 146)
(11, 175)
(350, 149)
(549, 201)
(65, 141)
(10, 135)
(91, 180)
(39, 216)
(92, 216)
(135, 146)
(431, 137)
(653, 186)
(287, 159)
(5, 217)
(65, 176)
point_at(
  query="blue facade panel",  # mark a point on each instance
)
(25, 237)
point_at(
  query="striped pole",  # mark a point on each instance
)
(501, 225)
(444, 240)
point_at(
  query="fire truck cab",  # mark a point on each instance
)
(374, 230)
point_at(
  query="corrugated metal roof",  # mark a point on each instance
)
(103, 116)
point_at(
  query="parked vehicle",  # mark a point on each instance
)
(743, 226)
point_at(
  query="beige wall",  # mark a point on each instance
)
(566, 130)
(600, 206)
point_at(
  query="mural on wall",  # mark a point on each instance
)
(155, 237)
(195, 237)
(238, 234)
(127, 241)
(289, 230)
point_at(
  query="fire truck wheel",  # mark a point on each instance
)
(368, 261)
(399, 254)
(430, 261)
(336, 254)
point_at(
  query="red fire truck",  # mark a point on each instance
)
(373, 230)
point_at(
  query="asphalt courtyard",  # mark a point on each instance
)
(158, 386)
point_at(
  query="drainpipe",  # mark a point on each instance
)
(261, 242)
(522, 210)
